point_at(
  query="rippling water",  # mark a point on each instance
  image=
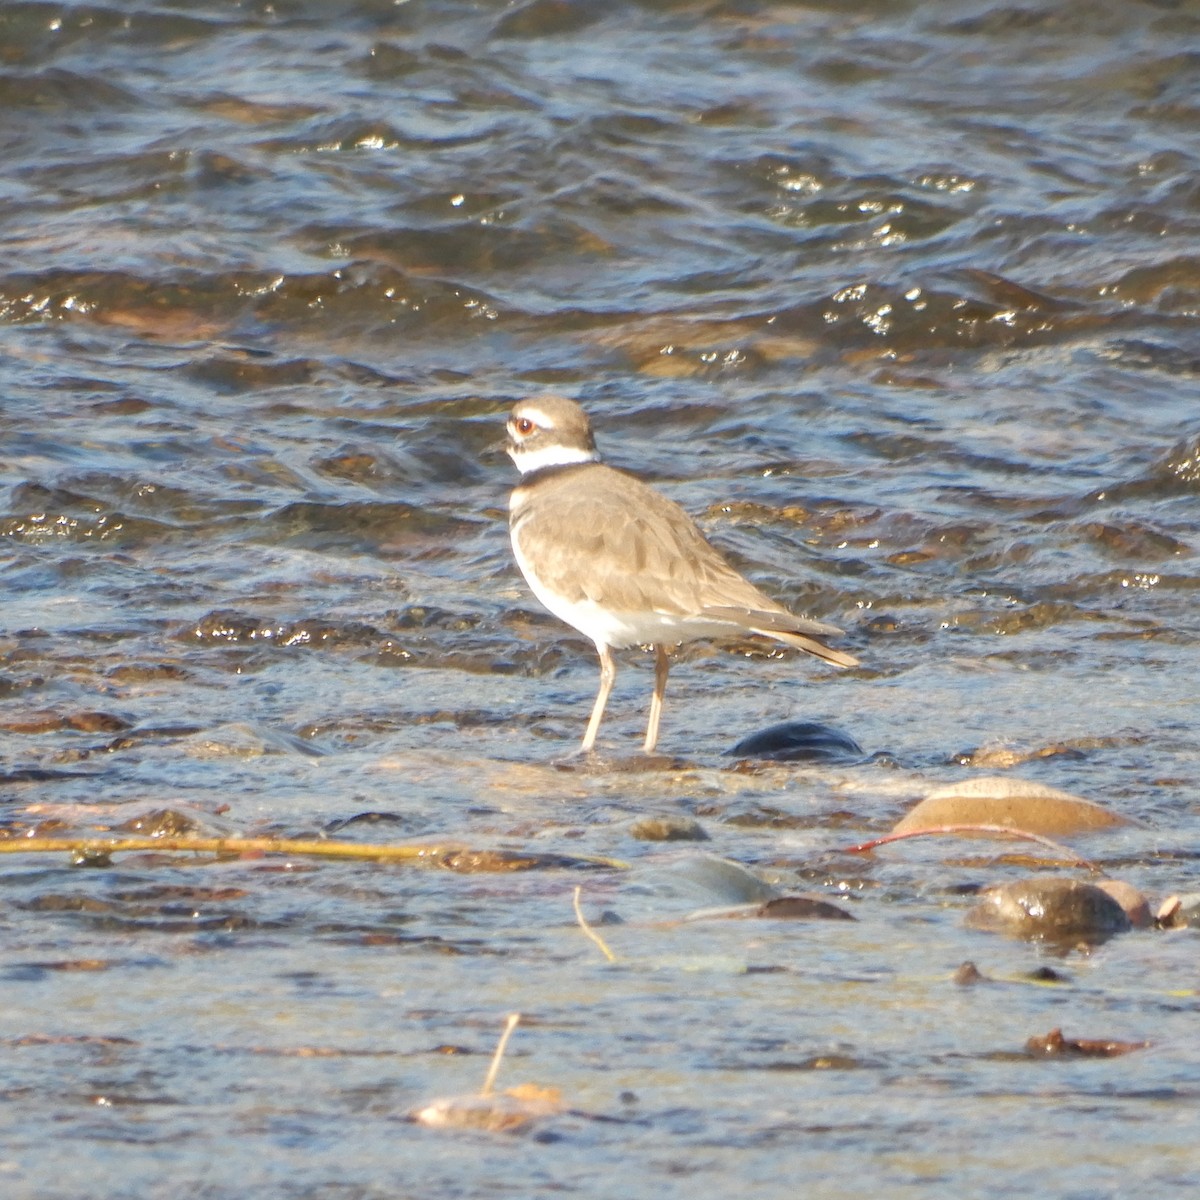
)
(900, 300)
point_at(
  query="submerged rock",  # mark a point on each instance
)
(668, 829)
(787, 908)
(1049, 908)
(711, 880)
(1013, 803)
(160, 822)
(805, 908)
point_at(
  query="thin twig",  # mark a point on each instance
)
(1002, 830)
(589, 930)
(494, 1069)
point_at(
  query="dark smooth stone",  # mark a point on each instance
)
(1051, 909)
(803, 908)
(797, 741)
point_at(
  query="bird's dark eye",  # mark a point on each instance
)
(524, 426)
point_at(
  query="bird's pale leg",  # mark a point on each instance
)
(662, 664)
(608, 675)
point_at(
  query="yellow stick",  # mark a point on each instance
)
(211, 845)
(266, 845)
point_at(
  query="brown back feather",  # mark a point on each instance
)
(640, 551)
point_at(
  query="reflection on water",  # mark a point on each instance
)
(899, 301)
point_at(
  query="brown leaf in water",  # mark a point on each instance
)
(1054, 1045)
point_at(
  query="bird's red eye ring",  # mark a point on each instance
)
(524, 426)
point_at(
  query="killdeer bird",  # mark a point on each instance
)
(620, 562)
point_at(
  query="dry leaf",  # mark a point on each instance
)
(1055, 1045)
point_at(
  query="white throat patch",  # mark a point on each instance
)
(550, 456)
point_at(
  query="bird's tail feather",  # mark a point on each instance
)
(838, 657)
(766, 621)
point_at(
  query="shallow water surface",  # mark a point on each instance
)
(899, 300)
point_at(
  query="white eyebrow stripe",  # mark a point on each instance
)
(536, 415)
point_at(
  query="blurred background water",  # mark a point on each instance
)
(900, 300)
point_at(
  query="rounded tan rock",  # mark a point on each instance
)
(1013, 803)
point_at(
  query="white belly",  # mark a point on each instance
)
(619, 629)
